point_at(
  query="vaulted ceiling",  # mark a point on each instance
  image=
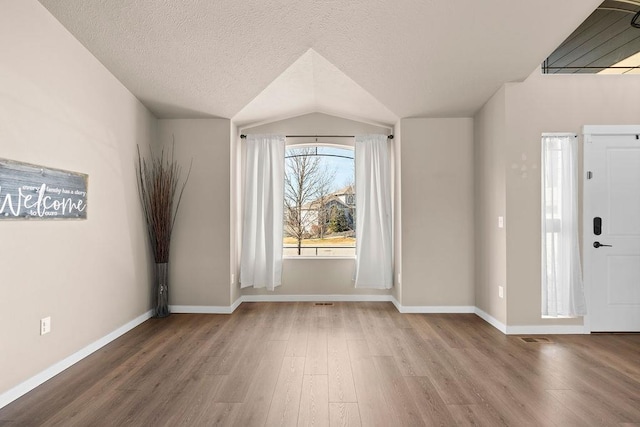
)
(259, 60)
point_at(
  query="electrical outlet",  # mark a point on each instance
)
(500, 291)
(45, 325)
(500, 222)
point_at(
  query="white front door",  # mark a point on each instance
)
(611, 227)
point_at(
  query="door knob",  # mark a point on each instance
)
(598, 244)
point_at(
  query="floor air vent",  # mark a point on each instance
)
(535, 339)
(324, 303)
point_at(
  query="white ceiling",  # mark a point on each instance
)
(313, 84)
(379, 60)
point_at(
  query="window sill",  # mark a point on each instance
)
(561, 317)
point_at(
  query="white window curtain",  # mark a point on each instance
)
(562, 288)
(374, 249)
(263, 212)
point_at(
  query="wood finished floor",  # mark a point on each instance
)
(348, 364)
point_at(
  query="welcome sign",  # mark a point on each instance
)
(31, 191)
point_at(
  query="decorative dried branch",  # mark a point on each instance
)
(158, 181)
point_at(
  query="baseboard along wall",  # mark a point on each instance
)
(33, 382)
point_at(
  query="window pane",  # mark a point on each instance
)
(320, 196)
(562, 293)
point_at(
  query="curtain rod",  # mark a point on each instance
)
(318, 136)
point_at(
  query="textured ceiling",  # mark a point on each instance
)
(246, 58)
(313, 84)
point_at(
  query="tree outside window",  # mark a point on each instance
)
(319, 201)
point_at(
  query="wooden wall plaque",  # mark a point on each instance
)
(38, 192)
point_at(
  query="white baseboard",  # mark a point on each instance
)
(491, 320)
(359, 298)
(313, 298)
(547, 330)
(209, 309)
(33, 382)
(436, 309)
(202, 309)
(532, 329)
(407, 309)
(28, 385)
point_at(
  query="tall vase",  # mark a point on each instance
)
(161, 290)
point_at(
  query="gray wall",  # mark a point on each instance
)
(59, 107)
(235, 220)
(199, 268)
(433, 168)
(507, 137)
(396, 291)
(490, 202)
(437, 212)
(549, 103)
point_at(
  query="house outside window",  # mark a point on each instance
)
(319, 211)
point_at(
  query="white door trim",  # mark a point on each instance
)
(586, 237)
(611, 130)
(587, 132)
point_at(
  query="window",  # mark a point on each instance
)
(562, 292)
(319, 201)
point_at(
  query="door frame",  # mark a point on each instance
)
(588, 131)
